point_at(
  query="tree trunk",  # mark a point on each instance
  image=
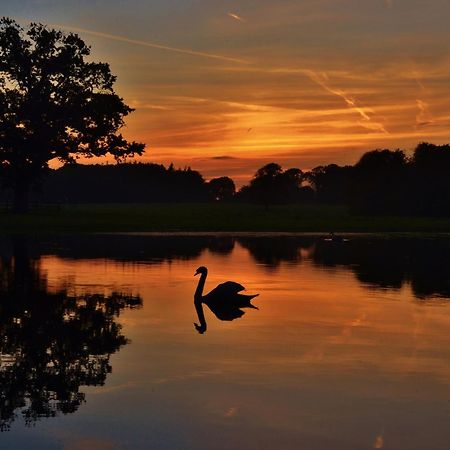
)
(21, 198)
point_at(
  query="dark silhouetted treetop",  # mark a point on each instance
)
(222, 189)
(54, 104)
(381, 159)
(430, 175)
(331, 183)
(432, 157)
(379, 182)
(272, 185)
(271, 170)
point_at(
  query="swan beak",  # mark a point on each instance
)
(196, 273)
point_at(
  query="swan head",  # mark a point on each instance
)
(202, 269)
(200, 328)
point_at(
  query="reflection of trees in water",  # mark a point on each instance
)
(374, 262)
(389, 263)
(221, 245)
(128, 248)
(384, 263)
(51, 343)
(272, 251)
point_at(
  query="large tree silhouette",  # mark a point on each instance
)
(54, 104)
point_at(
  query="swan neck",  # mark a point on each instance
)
(201, 315)
(201, 285)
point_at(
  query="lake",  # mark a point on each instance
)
(349, 347)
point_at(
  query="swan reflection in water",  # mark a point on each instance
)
(225, 300)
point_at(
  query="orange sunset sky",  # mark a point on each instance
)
(227, 86)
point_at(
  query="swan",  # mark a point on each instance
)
(225, 300)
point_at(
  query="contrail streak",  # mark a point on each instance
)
(320, 79)
(153, 45)
(235, 16)
(351, 103)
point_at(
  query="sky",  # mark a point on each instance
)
(227, 86)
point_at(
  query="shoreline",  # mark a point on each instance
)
(280, 234)
(215, 219)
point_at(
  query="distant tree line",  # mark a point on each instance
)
(381, 182)
(127, 183)
(389, 182)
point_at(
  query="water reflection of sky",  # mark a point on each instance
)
(332, 359)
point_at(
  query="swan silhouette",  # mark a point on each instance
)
(225, 300)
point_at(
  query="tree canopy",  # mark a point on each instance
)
(54, 104)
(222, 189)
(272, 185)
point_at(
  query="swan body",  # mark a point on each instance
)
(225, 300)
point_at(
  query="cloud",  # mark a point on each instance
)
(188, 376)
(224, 157)
(424, 116)
(232, 412)
(152, 44)
(236, 17)
(322, 80)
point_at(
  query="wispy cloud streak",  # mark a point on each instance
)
(424, 116)
(236, 17)
(367, 122)
(152, 44)
(320, 79)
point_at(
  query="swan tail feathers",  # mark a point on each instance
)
(246, 301)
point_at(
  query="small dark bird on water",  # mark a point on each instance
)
(225, 300)
(335, 238)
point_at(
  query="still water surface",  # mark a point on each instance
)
(350, 347)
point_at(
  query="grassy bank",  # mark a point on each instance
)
(209, 217)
